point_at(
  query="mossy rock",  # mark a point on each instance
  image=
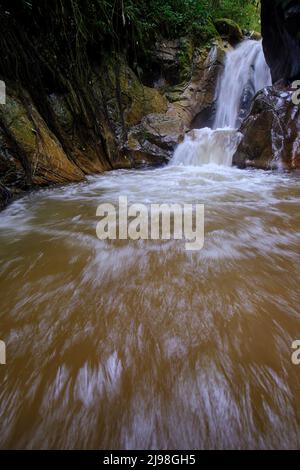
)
(36, 146)
(230, 29)
(15, 118)
(137, 100)
(204, 32)
(255, 35)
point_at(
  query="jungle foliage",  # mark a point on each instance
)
(76, 26)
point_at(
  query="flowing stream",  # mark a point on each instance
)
(141, 344)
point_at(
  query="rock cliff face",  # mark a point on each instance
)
(128, 123)
(30, 144)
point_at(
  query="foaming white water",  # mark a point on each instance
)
(204, 146)
(246, 72)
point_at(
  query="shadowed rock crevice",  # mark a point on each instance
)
(281, 38)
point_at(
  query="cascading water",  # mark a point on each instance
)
(246, 72)
(207, 146)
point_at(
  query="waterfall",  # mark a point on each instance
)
(207, 146)
(245, 73)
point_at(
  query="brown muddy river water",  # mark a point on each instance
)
(142, 344)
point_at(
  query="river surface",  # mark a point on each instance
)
(142, 344)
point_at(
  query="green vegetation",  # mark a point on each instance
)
(131, 23)
(73, 29)
(245, 13)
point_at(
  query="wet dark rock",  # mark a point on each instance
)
(246, 100)
(271, 132)
(156, 137)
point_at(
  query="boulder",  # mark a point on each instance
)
(155, 138)
(271, 132)
(229, 29)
